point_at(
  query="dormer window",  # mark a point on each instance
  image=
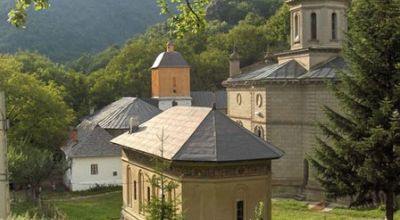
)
(313, 26)
(296, 28)
(334, 26)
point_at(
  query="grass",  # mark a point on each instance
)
(290, 209)
(106, 205)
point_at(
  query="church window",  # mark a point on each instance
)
(129, 188)
(259, 100)
(239, 122)
(239, 99)
(334, 26)
(296, 28)
(148, 194)
(134, 190)
(240, 210)
(94, 169)
(313, 26)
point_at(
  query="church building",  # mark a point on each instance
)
(222, 170)
(282, 101)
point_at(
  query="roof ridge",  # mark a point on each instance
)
(191, 135)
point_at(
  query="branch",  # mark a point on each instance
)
(193, 12)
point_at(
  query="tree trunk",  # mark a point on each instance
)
(389, 205)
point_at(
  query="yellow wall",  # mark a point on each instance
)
(205, 198)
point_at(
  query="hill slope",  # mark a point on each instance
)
(72, 27)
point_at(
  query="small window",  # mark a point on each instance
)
(134, 190)
(296, 28)
(115, 173)
(240, 210)
(94, 169)
(334, 26)
(313, 26)
(259, 100)
(239, 122)
(239, 99)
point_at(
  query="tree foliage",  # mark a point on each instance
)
(358, 155)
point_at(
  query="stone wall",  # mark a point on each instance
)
(291, 113)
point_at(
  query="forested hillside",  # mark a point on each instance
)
(72, 27)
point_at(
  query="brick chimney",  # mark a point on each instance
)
(73, 136)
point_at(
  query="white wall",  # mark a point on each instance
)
(79, 176)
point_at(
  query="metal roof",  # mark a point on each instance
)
(169, 59)
(93, 141)
(290, 70)
(117, 114)
(208, 98)
(197, 134)
(326, 70)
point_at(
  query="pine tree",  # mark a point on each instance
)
(161, 207)
(358, 154)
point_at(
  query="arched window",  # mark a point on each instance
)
(240, 210)
(259, 131)
(296, 28)
(148, 194)
(174, 84)
(334, 26)
(313, 26)
(129, 188)
(141, 185)
(134, 190)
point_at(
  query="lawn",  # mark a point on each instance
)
(107, 206)
(100, 207)
(291, 209)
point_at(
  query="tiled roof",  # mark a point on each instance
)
(290, 70)
(117, 114)
(197, 134)
(170, 59)
(92, 141)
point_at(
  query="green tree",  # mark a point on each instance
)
(37, 112)
(358, 155)
(73, 86)
(31, 166)
(277, 29)
(159, 207)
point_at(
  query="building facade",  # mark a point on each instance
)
(283, 102)
(222, 171)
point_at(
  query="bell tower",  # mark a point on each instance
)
(317, 31)
(170, 79)
(317, 23)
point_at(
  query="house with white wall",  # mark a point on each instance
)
(92, 159)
